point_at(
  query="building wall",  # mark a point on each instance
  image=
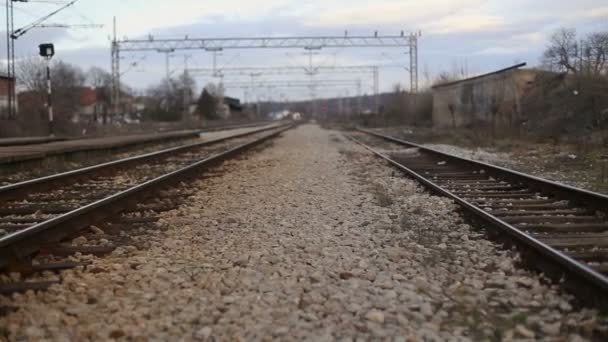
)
(5, 85)
(493, 99)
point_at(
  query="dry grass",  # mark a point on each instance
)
(381, 195)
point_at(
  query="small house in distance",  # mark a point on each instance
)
(492, 99)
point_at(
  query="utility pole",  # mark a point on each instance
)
(115, 73)
(376, 89)
(186, 94)
(10, 59)
(359, 97)
(49, 102)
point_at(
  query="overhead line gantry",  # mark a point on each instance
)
(409, 41)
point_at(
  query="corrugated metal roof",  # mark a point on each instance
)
(516, 66)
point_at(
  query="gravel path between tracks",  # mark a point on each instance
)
(311, 239)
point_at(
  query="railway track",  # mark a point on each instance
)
(560, 230)
(96, 150)
(37, 215)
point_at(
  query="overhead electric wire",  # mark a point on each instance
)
(20, 32)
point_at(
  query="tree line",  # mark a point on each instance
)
(170, 100)
(67, 80)
(569, 53)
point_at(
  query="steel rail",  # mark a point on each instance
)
(8, 192)
(589, 198)
(17, 246)
(589, 285)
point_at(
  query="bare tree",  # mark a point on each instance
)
(186, 85)
(446, 77)
(167, 99)
(596, 53)
(66, 80)
(101, 81)
(587, 56)
(562, 52)
(459, 71)
(31, 74)
(99, 78)
(215, 90)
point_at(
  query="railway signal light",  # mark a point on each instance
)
(47, 50)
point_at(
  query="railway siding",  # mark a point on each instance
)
(561, 229)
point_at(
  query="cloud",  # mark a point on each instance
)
(160, 13)
(530, 38)
(407, 13)
(500, 50)
(466, 23)
(599, 12)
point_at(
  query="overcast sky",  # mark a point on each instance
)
(483, 35)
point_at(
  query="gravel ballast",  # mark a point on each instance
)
(310, 238)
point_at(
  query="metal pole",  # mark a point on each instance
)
(186, 94)
(215, 63)
(8, 36)
(115, 73)
(12, 91)
(10, 58)
(376, 88)
(259, 110)
(8, 50)
(167, 71)
(359, 97)
(411, 64)
(49, 103)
